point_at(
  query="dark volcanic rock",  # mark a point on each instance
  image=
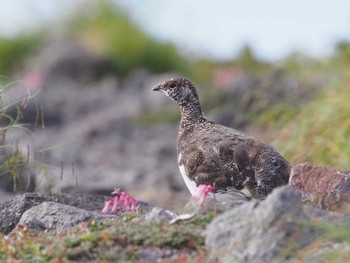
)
(325, 187)
(89, 202)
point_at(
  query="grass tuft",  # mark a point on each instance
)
(318, 132)
(101, 241)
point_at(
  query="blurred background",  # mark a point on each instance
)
(77, 112)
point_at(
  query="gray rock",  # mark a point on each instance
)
(261, 231)
(329, 252)
(159, 214)
(12, 210)
(5, 196)
(89, 202)
(55, 216)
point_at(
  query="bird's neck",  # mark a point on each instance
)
(191, 114)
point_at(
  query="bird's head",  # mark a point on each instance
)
(179, 90)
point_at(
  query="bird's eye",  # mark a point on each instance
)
(172, 85)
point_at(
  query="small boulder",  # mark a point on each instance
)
(55, 216)
(261, 231)
(12, 210)
(159, 214)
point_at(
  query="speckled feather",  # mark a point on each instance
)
(218, 155)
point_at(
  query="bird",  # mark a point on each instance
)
(212, 154)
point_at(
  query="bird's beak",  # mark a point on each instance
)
(157, 88)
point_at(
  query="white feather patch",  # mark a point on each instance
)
(191, 185)
(246, 192)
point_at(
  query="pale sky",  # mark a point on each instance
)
(274, 28)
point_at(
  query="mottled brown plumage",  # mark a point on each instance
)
(210, 153)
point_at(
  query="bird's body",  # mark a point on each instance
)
(212, 154)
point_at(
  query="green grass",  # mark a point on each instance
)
(18, 162)
(13, 162)
(13, 51)
(101, 241)
(109, 32)
(317, 132)
(124, 239)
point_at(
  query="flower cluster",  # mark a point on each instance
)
(202, 193)
(120, 202)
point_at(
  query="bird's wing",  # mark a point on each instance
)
(201, 169)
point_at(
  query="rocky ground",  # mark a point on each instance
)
(288, 226)
(103, 132)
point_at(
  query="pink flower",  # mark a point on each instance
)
(116, 191)
(107, 205)
(120, 202)
(202, 193)
(116, 204)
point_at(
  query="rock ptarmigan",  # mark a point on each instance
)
(213, 154)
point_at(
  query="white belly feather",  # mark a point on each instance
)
(191, 185)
